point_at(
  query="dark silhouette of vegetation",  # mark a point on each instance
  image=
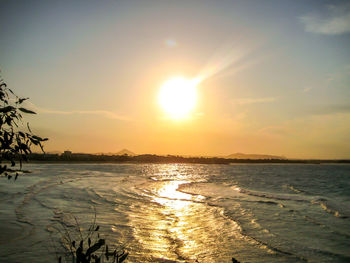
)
(15, 140)
(152, 158)
(87, 247)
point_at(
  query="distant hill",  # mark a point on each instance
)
(254, 156)
(125, 152)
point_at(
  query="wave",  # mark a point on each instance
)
(329, 208)
(215, 192)
(230, 193)
(225, 195)
(272, 249)
(293, 188)
(287, 197)
(221, 215)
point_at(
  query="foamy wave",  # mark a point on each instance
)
(293, 188)
(326, 206)
(274, 196)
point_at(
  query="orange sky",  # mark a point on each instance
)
(274, 78)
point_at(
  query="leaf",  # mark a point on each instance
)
(95, 247)
(28, 127)
(11, 91)
(123, 257)
(8, 120)
(26, 111)
(80, 255)
(39, 138)
(107, 254)
(20, 101)
(7, 109)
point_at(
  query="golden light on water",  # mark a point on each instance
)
(176, 224)
(178, 97)
(171, 197)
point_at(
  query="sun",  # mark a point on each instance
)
(178, 96)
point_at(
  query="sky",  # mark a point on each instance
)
(275, 75)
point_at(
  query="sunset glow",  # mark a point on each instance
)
(178, 96)
(228, 77)
(175, 131)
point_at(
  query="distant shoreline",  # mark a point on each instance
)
(151, 158)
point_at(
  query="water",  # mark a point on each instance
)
(181, 212)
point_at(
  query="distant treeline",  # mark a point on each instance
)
(152, 158)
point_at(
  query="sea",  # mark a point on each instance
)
(179, 212)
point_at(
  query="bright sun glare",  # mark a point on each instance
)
(178, 96)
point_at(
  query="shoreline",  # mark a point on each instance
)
(169, 159)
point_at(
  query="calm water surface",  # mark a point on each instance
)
(182, 213)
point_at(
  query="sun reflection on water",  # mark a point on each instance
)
(168, 227)
(170, 196)
(176, 226)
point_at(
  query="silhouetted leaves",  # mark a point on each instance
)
(122, 257)
(95, 247)
(7, 109)
(20, 100)
(97, 250)
(26, 110)
(15, 144)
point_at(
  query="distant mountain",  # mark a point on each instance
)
(254, 156)
(125, 152)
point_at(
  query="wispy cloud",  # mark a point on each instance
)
(244, 101)
(104, 113)
(330, 109)
(307, 89)
(334, 21)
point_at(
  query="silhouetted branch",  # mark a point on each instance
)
(15, 141)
